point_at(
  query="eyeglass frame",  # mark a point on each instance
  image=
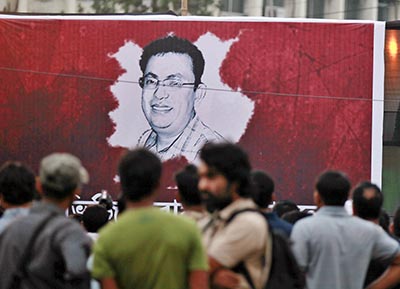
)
(141, 84)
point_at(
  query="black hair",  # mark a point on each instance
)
(139, 172)
(176, 45)
(396, 223)
(231, 161)
(293, 216)
(284, 206)
(94, 217)
(333, 187)
(17, 183)
(384, 220)
(263, 188)
(52, 193)
(367, 200)
(187, 181)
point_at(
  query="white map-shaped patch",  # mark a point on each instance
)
(224, 110)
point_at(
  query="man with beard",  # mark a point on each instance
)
(240, 243)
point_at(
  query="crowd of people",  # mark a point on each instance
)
(223, 239)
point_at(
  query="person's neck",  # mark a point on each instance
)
(143, 203)
(8, 206)
(375, 221)
(62, 204)
(195, 208)
(164, 141)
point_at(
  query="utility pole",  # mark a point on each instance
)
(184, 7)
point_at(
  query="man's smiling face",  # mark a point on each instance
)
(168, 110)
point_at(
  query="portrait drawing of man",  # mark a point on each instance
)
(171, 85)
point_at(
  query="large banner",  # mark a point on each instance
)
(299, 97)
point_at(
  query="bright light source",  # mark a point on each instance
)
(393, 47)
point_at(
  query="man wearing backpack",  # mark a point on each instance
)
(45, 249)
(334, 248)
(242, 242)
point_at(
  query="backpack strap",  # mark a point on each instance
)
(234, 214)
(26, 256)
(241, 267)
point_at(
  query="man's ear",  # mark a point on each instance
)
(391, 228)
(355, 213)
(273, 197)
(317, 199)
(178, 197)
(200, 93)
(38, 186)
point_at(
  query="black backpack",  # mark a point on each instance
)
(285, 272)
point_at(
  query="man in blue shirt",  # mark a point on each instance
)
(17, 189)
(334, 248)
(263, 195)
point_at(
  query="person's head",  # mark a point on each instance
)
(367, 201)
(331, 189)
(139, 172)
(224, 174)
(263, 188)
(172, 68)
(94, 217)
(187, 181)
(293, 216)
(62, 176)
(17, 184)
(284, 206)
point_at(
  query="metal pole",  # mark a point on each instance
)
(184, 7)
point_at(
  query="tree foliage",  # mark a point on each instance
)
(198, 7)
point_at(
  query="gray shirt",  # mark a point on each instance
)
(58, 257)
(334, 248)
(11, 215)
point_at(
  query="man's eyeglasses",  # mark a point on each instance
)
(153, 83)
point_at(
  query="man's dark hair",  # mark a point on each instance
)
(176, 45)
(396, 223)
(262, 188)
(284, 206)
(333, 187)
(231, 161)
(17, 183)
(367, 200)
(384, 220)
(94, 217)
(293, 216)
(139, 172)
(187, 181)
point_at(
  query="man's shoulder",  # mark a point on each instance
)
(247, 219)
(208, 133)
(279, 224)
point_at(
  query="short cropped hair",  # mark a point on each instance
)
(293, 216)
(367, 200)
(94, 217)
(17, 183)
(284, 206)
(139, 172)
(262, 188)
(231, 161)
(187, 181)
(333, 187)
(176, 45)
